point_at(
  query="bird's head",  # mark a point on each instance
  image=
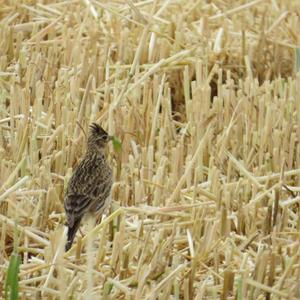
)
(98, 137)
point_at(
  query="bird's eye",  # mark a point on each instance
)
(105, 137)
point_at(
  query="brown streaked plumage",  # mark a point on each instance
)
(90, 185)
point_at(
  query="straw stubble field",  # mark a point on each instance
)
(205, 99)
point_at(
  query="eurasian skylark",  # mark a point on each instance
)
(89, 188)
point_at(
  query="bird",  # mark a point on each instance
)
(89, 188)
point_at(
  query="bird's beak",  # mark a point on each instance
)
(110, 138)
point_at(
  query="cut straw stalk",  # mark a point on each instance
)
(12, 176)
(57, 255)
(266, 288)
(121, 287)
(91, 9)
(26, 231)
(167, 279)
(90, 260)
(188, 168)
(134, 65)
(235, 10)
(155, 68)
(137, 11)
(45, 30)
(156, 111)
(80, 117)
(275, 176)
(16, 186)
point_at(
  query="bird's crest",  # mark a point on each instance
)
(96, 129)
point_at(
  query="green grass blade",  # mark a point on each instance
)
(12, 278)
(12, 275)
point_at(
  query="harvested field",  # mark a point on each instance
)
(205, 99)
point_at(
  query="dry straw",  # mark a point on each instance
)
(204, 96)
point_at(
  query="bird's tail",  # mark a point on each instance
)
(71, 234)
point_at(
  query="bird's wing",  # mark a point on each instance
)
(76, 206)
(102, 191)
(85, 187)
(89, 177)
(85, 177)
